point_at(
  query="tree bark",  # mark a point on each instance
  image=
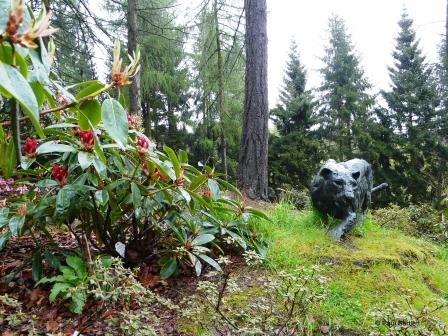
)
(253, 156)
(220, 91)
(134, 88)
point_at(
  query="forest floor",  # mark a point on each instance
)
(370, 269)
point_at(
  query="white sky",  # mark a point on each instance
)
(372, 24)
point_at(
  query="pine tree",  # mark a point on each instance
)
(294, 112)
(413, 102)
(344, 98)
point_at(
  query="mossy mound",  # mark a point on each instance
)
(369, 270)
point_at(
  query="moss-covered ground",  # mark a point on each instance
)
(370, 269)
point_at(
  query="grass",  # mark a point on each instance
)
(367, 271)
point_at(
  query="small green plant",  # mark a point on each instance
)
(71, 284)
(399, 318)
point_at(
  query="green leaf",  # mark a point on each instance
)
(100, 167)
(88, 90)
(203, 239)
(78, 302)
(257, 213)
(4, 212)
(12, 81)
(185, 194)
(89, 111)
(197, 181)
(168, 268)
(78, 265)
(16, 224)
(36, 269)
(136, 196)
(39, 92)
(196, 263)
(174, 160)
(58, 288)
(47, 183)
(102, 197)
(51, 147)
(214, 188)
(183, 156)
(6, 57)
(85, 159)
(52, 260)
(115, 121)
(229, 187)
(210, 261)
(4, 239)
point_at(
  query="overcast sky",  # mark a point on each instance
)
(372, 24)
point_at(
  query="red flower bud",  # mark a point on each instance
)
(207, 193)
(59, 173)
(142, 144)
(29, 148)
(87, 139)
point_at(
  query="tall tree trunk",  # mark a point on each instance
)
(134, 88)
(253, 157)
(220, 91)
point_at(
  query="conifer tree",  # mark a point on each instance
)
(293, 155)
(294, 111)
(344, 98)
(413, 102)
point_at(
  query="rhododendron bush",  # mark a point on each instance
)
(88, 168)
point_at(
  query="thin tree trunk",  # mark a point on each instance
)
(220, 91)
(134, 88)
(253, 157)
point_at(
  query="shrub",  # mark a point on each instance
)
(299, 199)
(93, 171)
(416, 220)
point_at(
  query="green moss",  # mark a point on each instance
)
(367, 271)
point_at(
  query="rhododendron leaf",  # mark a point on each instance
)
(89, 111)
(12, 81)
(214, 188)
(4, 239)
(203, 239)
(16, 224)
(174, 160)
(4, 217)
(102, 197)
(115, 121)
(168, 268)
(85, 159)
(51, 147)
(39, 92)
(88, 90)
(210, 261)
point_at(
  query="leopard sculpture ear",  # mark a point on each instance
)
(325, 172)
(356, 175)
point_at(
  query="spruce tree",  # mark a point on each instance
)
(344, 98)
(293, 155)
(413, 103)
(294, 111)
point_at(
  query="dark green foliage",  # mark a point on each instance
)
(344, 101)
(294, 154)
(414, 119)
